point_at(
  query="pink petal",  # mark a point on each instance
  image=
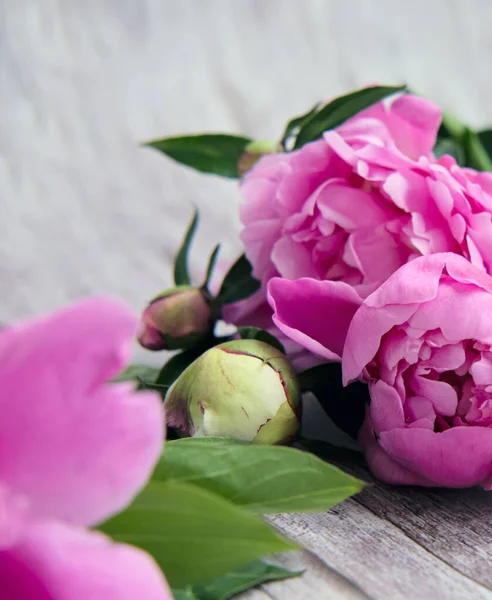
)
(457, 457)
(381, 464)
(365, 332)
(442, 396)
(53, 561)
(246, 312)
(351, 208)
(377, 253)
(292, 260)
(471, 303)
(386, 407)
(315, 314)
(413, 123)
(78, 448)
(417, 281)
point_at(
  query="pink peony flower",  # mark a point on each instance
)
(423, 343)
(322, 212)
(75, 450)
(325, 212)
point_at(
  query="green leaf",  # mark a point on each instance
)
(185, 594)
(451, 127)
(140, 373)
(254, 333)
(241, 580)
(264, 479)
(238, 283)
(475, 148)
(477, 156)
(344, 405)
(449, 146)
(485, 138)
(295, 124)
(181, 275)
(174, 367)
(211, 265)
(209, 153)
(193, 534)
(340, 110)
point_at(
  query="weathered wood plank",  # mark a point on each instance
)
(453, 525)
(378, 556)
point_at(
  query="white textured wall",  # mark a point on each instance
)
(84, 209)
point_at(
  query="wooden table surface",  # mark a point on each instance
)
(85, 210)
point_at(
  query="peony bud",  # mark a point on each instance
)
(178, 318)
(243, 389)
(253, 152)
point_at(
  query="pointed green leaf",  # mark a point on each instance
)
(264, 479)
(214, 153)
(181, 275)
(241, 580)
(451, 127)
(211, 265)
(193, 534)
(185, 594)
(295, 124)
(340, 110)
(477, 156)
(145, 373)
(254, 333)
(238, 283)
(485, 138)
(449, 146)
(474, 149)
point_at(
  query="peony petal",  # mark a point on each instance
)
(85, 345)
(481, 370)
(417, 281)
(365, 332)
(472, 304)
(352, 208)
(78, 448)
(386, 408)
(53, 561)
(292, 260)
(248, 311)
(460, 269)
(457, 457)
(315, 314)
(381, 464)
(442, 395)
(413, 123)
(13, 511)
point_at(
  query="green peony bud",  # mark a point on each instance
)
(177, 318)
(253, 152)
(243, 389)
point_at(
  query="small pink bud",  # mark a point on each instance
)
(177, 318)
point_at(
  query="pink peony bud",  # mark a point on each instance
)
(177, 318)
(244, 389)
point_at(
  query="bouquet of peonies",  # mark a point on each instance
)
(366, 280)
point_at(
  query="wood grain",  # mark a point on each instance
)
(85, 210)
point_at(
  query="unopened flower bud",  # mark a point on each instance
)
(253, 152)
(243, 389)
(178, 318)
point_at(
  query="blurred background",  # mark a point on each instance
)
(85, 209)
